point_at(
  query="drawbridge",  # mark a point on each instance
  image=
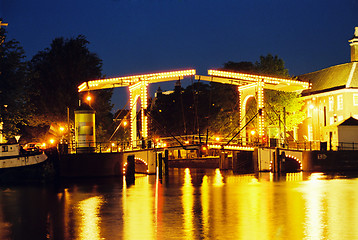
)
(249, 85)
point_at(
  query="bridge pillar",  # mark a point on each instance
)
(138, 90)
(246, 92)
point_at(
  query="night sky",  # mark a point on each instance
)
(142, 36)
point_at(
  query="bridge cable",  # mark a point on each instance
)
(279, 118)
(182, 109)
(163, 127)
(131, 120)
(241, 120)
(209, 115)
(242, 128)
(119, 114)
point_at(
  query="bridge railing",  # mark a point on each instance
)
(190, 140)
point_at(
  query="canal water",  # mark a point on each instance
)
(190, 204)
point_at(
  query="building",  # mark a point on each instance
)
(332, 98)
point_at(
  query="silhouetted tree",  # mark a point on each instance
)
(185, 111)
(275, 101)
(55, 74)
(13, 87)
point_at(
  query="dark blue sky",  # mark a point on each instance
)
(141, 36)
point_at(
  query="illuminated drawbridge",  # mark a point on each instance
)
(249, 85)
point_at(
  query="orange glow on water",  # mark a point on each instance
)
(188, 203)
(89, 209)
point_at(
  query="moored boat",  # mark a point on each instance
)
(17, 165)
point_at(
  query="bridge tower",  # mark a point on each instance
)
(253, 85)
(137, 85)
(138, 90)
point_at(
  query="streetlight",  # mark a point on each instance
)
(89, 99)
(125, 123)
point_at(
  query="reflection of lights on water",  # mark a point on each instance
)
(294, 177)
(314, 194)
(188, 203)
(315, 177)
(89, 208)
(205, 206)
(218, 178)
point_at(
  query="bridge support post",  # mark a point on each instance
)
(279, 161)
(160, 166)
(166, 163)
(130, 172)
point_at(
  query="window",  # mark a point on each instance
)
(331, 104)
(355, 99)
(331, 120)
(5, 149)
(340, 102)
(340, 118)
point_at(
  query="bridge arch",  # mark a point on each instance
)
(138, 91)
(244, 98)
(292, 163)
(249, 84)
(141, 166)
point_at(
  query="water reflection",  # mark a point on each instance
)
(190, 204)
(90, 220)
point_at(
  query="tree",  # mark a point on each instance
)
(185, 111)
(55, 74)
(13, 87)
(271, 66)
(275, 101)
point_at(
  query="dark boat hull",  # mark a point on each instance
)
(38, 172)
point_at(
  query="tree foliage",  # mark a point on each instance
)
(55, 74)
(13, 87)
(275, 101)
(183, 112)
(215, 107)
(57, 71)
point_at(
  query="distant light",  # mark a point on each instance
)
(52, 141)
(217, 139)
(88, 98)
(125, 123)
(311, 106)
(253, 132)
(62, 129)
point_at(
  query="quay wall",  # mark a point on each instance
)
(330, 161)
(91, 165)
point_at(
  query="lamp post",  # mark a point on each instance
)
(89, 99)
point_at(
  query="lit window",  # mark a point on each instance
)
(331, 120)
(310, 133)
(331, 104)
(355, 99)
(340, 118)
(340, 102)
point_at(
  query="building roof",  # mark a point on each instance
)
(349, 122)
(335, 77)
